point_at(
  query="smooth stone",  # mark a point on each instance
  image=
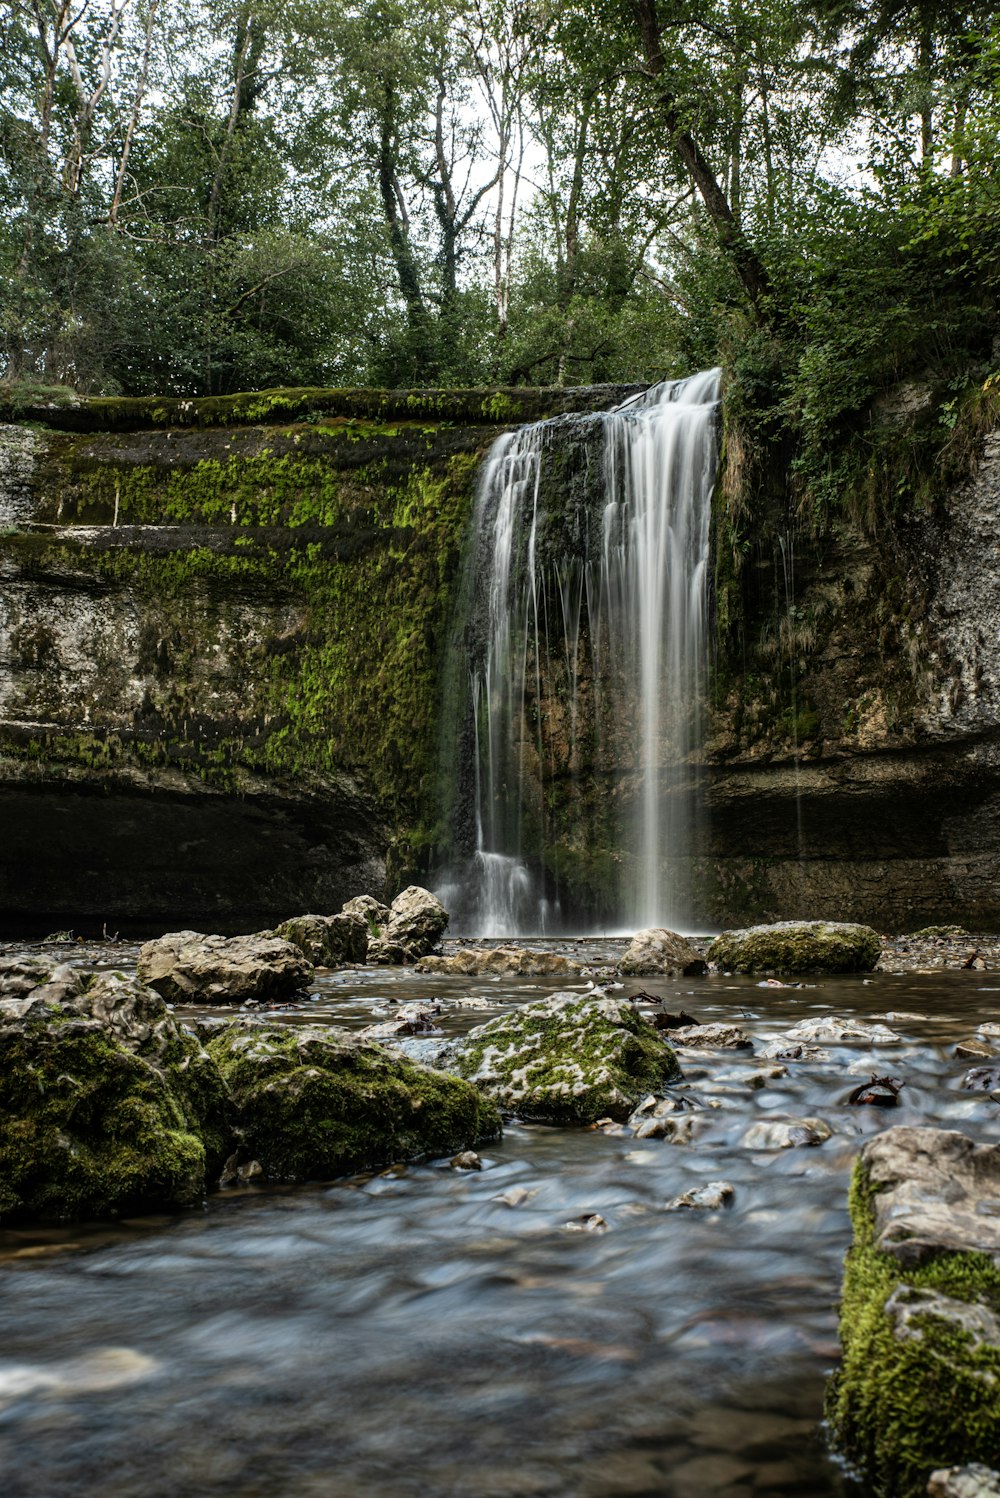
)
(466, 1160)
(836, 1031)
(973, 1050)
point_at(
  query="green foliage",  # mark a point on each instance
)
(899, 1407)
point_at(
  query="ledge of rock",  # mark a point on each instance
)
(920, 1313)
(798, 947)
(519, 962)
(567, 1059)
(186, 967)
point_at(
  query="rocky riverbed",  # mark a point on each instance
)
(644, 1306)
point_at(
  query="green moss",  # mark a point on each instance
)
(89, 1129)
(798, 947)
(314, 1103)
(568, 1060)
(900, 1408)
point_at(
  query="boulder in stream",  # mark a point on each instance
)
(189, 968)
(920, 1311)
(416, 923)
(328, 940)
(797, 947)
(657, 952)
(312, 1102)
(568, 1059)
(107, 1103)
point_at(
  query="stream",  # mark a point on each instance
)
(430, 1330)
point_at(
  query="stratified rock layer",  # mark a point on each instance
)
(568, 1059)
(797, 947)
(920, 1312)
(521, 962)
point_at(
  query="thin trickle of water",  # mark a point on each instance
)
(587, 655)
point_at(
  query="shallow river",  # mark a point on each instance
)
(430, 1331)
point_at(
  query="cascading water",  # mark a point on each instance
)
(586, 644)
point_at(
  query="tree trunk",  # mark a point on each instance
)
(746, 262)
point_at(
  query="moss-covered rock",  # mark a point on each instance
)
(798, 947)
(326, 940)
(314, 1102)
(106, 1104)
(920, 1311)
(568, 1059)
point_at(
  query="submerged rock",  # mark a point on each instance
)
(837, 1031)
(189, 968)
(920, 1311)
(327, 940)
(107, 1104)
(710, 1197)
(660, 953)
(567, 1059)
(519, 962)
(798, 947)
(416, 923)
(786, 1133)
(313, 1102)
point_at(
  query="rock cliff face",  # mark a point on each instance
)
(222, 628)
(224, 638)
(854, 767)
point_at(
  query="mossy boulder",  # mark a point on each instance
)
(314, 1102)
(798, 947)
(920, 1311)
(567, 1059)
(186, 967)
(327, 940)
(107, 1105)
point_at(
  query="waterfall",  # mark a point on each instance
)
(586, 648)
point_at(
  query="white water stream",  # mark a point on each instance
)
(590, 655)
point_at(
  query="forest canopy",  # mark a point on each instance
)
(204, 196)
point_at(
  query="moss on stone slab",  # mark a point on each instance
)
(919, 1386)
(568, 1059)
(313, 1102)
(798, 947)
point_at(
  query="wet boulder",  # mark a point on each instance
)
(312, 1102)
(374, 914)
(797, 947)
(416, 923)
(657, 952)
(328, 940)
(568, 1059)
(920, 1311)
(521, 962)
(786, 1133)
(186, 967)
(107, 1103)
